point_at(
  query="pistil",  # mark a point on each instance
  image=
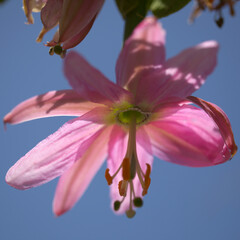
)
(131, 168)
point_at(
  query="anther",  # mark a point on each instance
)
(138, 202)
(122, 188)
(51, 51)
(126, 169)
(148, 171)
(108, 176)
(147, 184)
(116, 205)
(147, 180)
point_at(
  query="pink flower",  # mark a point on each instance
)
(147, 113)
(75, 19)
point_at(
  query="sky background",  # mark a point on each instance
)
(182, 203)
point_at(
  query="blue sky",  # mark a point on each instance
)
(183, 203)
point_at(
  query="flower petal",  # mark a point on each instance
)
(53, 156)
(74, 41)
(50, 16)
(74, 182)
(145, 47)
(186, 135)
(221, 119)
(117, 150)
(76, 16)
(54, 103)
(178, 78)
(147, 89)
(91, 84)
(186, 72)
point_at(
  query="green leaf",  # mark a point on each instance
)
(133, 12)
(163, 8)
(125, 7)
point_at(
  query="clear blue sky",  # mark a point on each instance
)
(182, 204)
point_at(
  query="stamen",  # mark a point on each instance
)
(126, 169)
(147, 180)
(147, 184)
(108, 177)
(138, 202)
(116, 205)
(148, 171)
(122, 188)
(51, 51)
(131, 168)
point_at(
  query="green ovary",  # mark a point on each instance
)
(126, 116)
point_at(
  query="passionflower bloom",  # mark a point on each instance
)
(75, 19)
(147, 113)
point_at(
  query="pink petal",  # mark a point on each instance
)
(50, 16)
(97, 115)
(74, 41)
(186, 135)
(53, 156)
(51, 13)
(54, 103)
(74, 182)
(186, 72)
(221, 119)
(179, 78)
(146, 86)
(54, 40)
(89, 82)
(148, 90)
(76, 16)
(117, 150)
(145, 47)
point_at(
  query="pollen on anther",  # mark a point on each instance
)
(147, 180)
(108, 176)
(122, 188)
(148, 171)
(126, 169)
(147, 184)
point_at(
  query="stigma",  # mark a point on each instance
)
(57, 49)
(130, 169)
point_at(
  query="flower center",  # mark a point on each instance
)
(125, 116)
(130, 165)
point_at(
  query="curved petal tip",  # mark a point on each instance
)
(221, 120)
